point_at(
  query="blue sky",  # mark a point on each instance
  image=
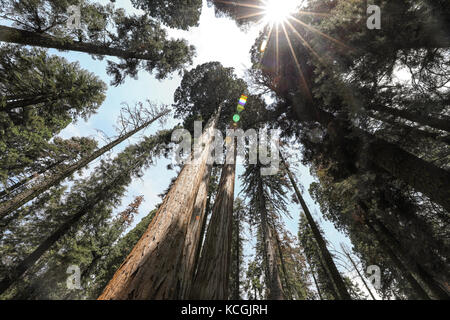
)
(215, 40)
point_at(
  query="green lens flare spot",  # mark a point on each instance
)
(236, 118)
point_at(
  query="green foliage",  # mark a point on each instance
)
(207, 86)
(40, 96)
(94, 198)
(142, 42)
(178, 14)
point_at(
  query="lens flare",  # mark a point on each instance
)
(278, 11)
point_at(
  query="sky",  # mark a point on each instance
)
(215, 39)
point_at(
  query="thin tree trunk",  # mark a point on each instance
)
(273, 281)
(315, 283)
(213, 273)
(22, 103)
(30, 194)
(422, 276)
(283, 267)
(27, 179)
(419, 291)
(151, 270)
(330, 267)
(359, 274)
(31, 259)
(13, 35)
(237, 247)
(202, 233)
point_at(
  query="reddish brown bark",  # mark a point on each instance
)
(152, 269)
(212, 276)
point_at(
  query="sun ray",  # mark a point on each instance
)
(277, 50)
(250, 15)
(299, 68)
(246, 5)
(321, 33)
(312, 13)
(305, 43)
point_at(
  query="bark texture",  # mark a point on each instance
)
(212, 276)
(272, 275)
(152, 269)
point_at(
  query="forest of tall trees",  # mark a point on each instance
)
(362, 151)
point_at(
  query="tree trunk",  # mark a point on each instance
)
(193, 238)
(433, 122)
(202, 233)
(423, 176)
(359, 274)
(273, 281)
(330, 267)
(237, 247)
(31, 259)
(423, 277)
(419, 291)
(283, 267)
(413, 131)
(22, 103)
(29, 178)
(315, 283)
(30, 194)
(212, 276)
(13, 35)
(151, 270)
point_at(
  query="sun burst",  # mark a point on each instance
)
(278, 11)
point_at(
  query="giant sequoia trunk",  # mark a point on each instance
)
(153, 268)
(24, 37)
(325, 256)
(34, 191)
(193, 238)
(212, 276)
(272, 276)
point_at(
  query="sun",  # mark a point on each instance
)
(278, 11)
